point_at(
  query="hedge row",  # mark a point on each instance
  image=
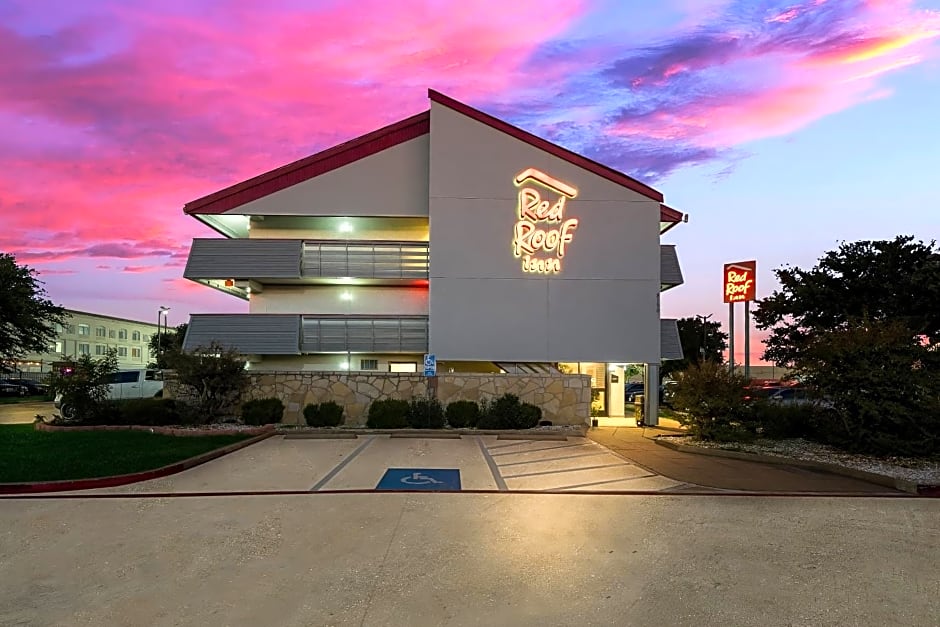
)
(505, 412)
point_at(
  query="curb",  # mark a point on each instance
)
(904, 485)
(503, 434)
(134, 477)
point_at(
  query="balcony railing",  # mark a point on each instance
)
(293, 334)
(366, 260)
(272, 260)
(402, 334)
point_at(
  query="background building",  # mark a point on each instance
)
(452, 233)
(93, 334)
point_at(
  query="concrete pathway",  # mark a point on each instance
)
(496, 559)
(727, 474)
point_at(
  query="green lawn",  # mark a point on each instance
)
(30, 455)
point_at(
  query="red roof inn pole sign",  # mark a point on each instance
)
(740, 286)
(740, 281)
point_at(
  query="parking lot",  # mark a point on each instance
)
(282, 463)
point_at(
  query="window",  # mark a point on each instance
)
(84, 349)
(112, 334)
(122, 351)
(59, 328)
(368, 364)
(101, 332)
(101, 349)
(402, 366)
(70, 328)
(84, 329)
(153, 375)
(122, 334)
(135, 353)
(135, 336)
(124, 376)
(59, 346)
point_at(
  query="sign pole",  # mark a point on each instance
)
(731, 336)
(747, 340)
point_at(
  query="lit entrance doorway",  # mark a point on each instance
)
(609, 382)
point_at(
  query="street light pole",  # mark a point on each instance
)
(161, 317)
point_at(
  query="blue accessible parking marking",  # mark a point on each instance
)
(420, 479)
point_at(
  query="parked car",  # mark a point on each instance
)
(631, 390)
(792, 396)
(124, 385)
(12, 389)
(33, 388)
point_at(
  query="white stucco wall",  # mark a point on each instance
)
(393, 182)
(328, 299)
(602, 306)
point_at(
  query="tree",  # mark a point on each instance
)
(881, 386)
(896, 280)
(165, 346)
(861, 330)
(701, 341)
(215, 375)
(27, 318)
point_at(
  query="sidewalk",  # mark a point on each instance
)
(727, 474)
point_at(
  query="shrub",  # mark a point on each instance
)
(262, 411)
(530, 416)
(778, 422)
(712, 401)
(461, 414)
(84, 386)
(389, 413)
(328, 414)
(507, 412)
(216, 375)
(154, 412)
(426, 413)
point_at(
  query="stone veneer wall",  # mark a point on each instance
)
(565, 399)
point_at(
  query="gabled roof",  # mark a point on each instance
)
(553, 149)
(312, 166)
(372, 143)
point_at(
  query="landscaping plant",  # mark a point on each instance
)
(425, 413)
(711, 403)
(84, 386)
(262, 411)
(328, 414)
(216, 375)
(389, 413)
(461, 414)
(508, 412)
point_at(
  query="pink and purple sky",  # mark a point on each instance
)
(782, 128)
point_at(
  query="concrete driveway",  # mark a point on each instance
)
(484, 463)
(14, 413)
(469, 559)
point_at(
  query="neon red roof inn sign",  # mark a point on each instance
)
(740, 281)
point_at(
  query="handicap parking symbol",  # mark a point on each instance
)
(432, 479)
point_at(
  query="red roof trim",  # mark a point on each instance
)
(668, 214)
(314, 165)
(562, 153)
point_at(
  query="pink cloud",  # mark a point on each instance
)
(823, 64)
(104, 152)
